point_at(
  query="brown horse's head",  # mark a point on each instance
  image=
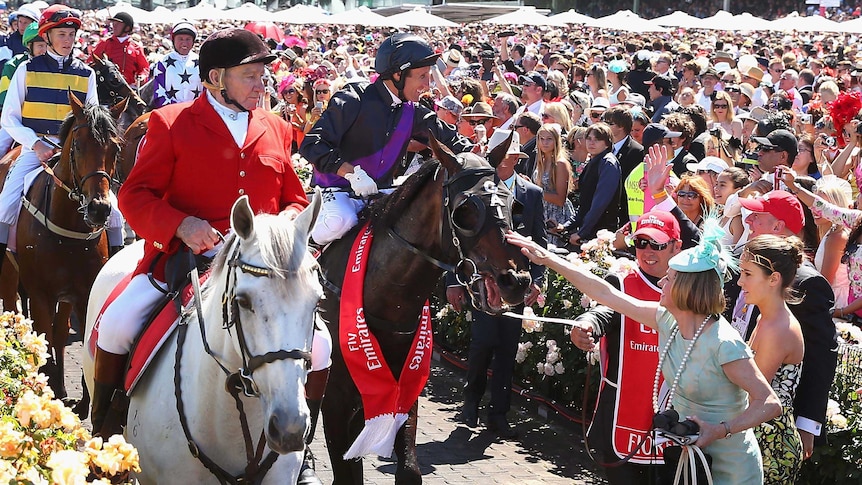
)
(91, 144)
(478, 211)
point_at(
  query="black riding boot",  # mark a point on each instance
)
(109, 373)
(315, 387)
(112, 250)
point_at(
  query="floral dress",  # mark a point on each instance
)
(780, 444)
(849, 218)
(553, 212)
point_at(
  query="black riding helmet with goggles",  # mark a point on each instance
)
(400, 53)
(231, 48)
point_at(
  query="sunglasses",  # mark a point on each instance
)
(687, 194)
(546, 116)
(515, 127)
(764, 148)
(477, 122)
(595, 116)
(321, 91)
(732, 89)
(289, 91)
(719, 106)
(641, 243)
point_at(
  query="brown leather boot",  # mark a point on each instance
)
(109, 373)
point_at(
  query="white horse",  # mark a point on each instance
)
(264, 283)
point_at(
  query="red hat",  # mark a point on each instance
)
(784, 206)
(660, 226)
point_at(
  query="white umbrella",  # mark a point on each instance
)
(814, 23)
(747, 22)
(201, 11)
(722, 20)
(138, 15)
(679, 19)
(301, 14)
(572, 17)
(525, 16)
(248, 12)
(361, 16)
(628, 21)
(851, 26)
(419, 17)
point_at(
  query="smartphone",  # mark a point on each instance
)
(776, 182)
(488, 66)
(318, 105)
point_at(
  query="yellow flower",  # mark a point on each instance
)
(69, 467)
(10, 441)
(7, 471)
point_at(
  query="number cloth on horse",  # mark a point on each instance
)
(385, 401)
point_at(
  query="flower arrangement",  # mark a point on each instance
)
(41, 440)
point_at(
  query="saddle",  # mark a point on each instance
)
(164, 318)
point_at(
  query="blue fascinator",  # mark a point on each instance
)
(709, 254)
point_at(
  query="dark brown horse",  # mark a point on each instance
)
(61, 239)
(418, 232)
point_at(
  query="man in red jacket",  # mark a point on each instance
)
(196, 159)
(127, 55)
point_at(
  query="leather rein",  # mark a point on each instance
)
(238, 382)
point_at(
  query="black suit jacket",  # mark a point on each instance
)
(526, 166)
(814, 312)
(631, 155)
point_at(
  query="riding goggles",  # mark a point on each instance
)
(61, 15)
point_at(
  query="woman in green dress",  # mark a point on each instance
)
(709, 370)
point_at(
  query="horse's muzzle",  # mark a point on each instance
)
(285, 432)
(97, 212)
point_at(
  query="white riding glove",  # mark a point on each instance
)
(361, 183)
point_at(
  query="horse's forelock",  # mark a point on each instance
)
(102, 125)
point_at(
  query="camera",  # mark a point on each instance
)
(669, 422)
(805, 119)
(859, 129)
(829, 141)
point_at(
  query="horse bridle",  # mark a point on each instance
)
(235, 382)
(113, 84)
(449, 229)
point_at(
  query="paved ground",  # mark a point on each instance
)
(449, 452)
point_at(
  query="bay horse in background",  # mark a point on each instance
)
(60, 238)
(442, 218)
(257, 312)
(112, 89)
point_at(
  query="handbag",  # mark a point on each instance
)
(673, 472)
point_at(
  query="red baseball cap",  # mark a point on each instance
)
(660, 226)
(784, 206)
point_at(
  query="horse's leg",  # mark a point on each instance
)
(405, 449)
(9, 286)
(340, 421)
(60, 331)
(43, 320)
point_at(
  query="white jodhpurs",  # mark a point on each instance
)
(6, 141)
(321, 347)
(124, 318)
(338, 214)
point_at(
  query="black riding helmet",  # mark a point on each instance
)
(402, 52)
(230, 48)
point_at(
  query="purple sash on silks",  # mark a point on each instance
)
(380, 163)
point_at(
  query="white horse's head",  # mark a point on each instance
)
(270, 291)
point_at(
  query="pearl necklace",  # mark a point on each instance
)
(663, 355)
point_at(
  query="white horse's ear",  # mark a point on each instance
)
(306, 219)
(242, 218)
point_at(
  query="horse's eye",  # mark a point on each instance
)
(243, 302)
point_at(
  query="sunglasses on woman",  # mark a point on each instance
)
(719, 106)
(687, 194)
(641, 243)
(289, 91)
(321, 91)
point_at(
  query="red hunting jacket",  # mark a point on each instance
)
(189, 165)
(128, 56)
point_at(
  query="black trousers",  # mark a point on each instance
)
(493, 345)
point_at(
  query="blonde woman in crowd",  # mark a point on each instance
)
(554, 175)
(597, 80)
(556, 112)
(722, 114)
